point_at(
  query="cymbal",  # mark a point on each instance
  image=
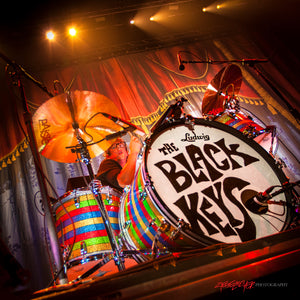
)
(53, 125)
(227, 81)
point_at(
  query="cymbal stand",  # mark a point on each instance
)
(85, 156)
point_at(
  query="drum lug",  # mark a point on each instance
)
(181, 225)
(76, 200)
(127, 224)
(83, 252)
(190, 122)
(164, 226)
(142, 194)
(280, 163)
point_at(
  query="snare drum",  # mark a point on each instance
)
(195, 187)
(79, 223)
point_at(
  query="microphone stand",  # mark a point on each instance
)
(56, 251)
(251, 63)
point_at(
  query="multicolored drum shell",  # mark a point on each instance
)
(244, 123)
(77, 212)
(240, 122)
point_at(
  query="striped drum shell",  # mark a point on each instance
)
(77, 212)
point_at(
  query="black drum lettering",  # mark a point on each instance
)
(174, 177)
(215, 219)
(209, 192)
(248, 231)
(168, 148)
(182, 160)
(196, 155)
(232, 151)
(192, 214)
(209, 150)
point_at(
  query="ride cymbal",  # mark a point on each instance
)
(227, 82)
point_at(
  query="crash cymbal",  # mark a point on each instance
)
(226, 82)
(54, 125)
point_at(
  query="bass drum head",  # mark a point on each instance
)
(207, 174)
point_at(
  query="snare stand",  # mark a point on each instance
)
(81, 148)
(85, 156)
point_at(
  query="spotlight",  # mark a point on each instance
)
(204, 9)
(132, 21)
(50, 35)
(152, 18)
(72, 31)
(218, 6)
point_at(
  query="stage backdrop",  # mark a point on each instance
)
(142, 86)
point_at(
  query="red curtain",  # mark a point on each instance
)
(142, 85)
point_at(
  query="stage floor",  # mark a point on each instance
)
(267, 266)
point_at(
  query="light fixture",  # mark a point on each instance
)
(50, 35)
(72, 31)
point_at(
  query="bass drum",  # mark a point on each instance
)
(196, 185)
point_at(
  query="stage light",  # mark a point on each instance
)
(152, 18)
(218, 6)
(132, 21)
(204, 9)
(50, 35)
(72, 31)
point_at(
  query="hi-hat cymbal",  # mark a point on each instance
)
(54, 130)
(227, 81)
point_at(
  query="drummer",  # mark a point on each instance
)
(118, 168)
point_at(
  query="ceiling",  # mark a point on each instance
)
(104, 29)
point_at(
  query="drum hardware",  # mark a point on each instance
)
(95, 184)
(81, 148)
(190, 122)
(181, 226)
(280, 163)
(143, 194)
(173, 112)
(101, 263)
(164, 227)
(127, 224)
(77, 200)
(260, 201)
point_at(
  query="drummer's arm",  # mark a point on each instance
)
(126, 175)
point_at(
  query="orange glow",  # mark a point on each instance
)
(72, 31)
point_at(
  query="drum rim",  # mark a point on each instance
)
(210, 123)
(84, 191)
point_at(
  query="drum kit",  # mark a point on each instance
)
(200, 181)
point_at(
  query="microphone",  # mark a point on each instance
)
(118, 134)
(257, 202)
(131, 127)
(181, 67)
